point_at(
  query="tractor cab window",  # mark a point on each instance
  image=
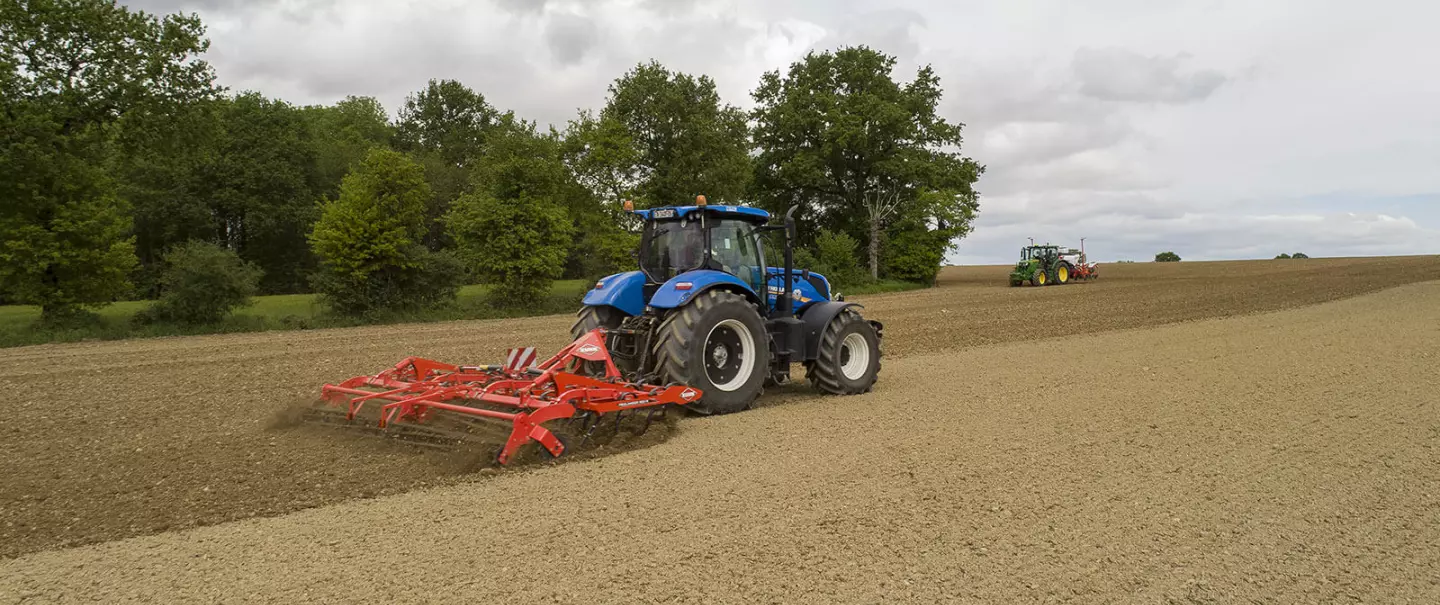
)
(672, 248)
(735, 249)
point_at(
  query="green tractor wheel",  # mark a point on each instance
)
(1062, 274)
(1039, 278)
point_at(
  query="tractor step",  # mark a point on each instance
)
(437, 404)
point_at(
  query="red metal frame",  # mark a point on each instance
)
(1085, 271)
(414, 389)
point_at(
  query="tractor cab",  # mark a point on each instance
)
(689, 248)
(681, 239)
(1039, 253)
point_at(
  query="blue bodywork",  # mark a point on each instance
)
(626, 291)
(670, 295)
(807, 294)
(743, 212)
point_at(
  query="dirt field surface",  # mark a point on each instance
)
(1287, 456)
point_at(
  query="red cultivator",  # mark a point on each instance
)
(521, 397)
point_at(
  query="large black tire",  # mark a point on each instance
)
(588, 318)
(837, 369)
(686, 351)
(1063, 273)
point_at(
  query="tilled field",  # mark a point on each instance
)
(116, 439)
(1283, 457)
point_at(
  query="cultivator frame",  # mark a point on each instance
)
(517, 392)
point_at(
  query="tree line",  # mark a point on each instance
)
(125, 169)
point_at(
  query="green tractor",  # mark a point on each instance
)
(1041, 266)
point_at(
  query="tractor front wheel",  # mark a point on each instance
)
(849, 358)
(1039, 278)
(717, 344)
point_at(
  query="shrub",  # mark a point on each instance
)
(1299, 255)
(1167, 257)
(518, 246)
(203, 283)
(1282, 256)
(368, 241)
(602, 251)
(914, 254)
(835, 258)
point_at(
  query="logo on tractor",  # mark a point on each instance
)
(587, 349)
(687, 394)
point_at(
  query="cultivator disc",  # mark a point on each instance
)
(435, 404)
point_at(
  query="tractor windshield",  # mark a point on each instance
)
(673, 247)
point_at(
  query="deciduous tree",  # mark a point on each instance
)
(862, 153)
(512, 229)
(368, 240)
(446, 118)
(70, 71)
(663, 137)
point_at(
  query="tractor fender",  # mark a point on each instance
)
(684, 287)
(624, 291)
(816, 318)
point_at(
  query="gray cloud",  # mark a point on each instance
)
(1203, 127)
(571, 37)
(893, 30)
(523, 7)
(1117, 74)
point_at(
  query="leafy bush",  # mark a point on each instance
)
(1299, 255)
(518, 246)
(427, 280)
(1167, 257)
(914, 254)
(1282, 256)
(835, 258)
(369, 238)
(202, 283)
(602, 251)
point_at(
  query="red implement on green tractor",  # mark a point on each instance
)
(526, 401)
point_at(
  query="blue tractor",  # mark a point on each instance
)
(705, 310)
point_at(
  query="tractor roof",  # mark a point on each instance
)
(754, 215)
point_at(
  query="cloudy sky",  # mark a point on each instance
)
(1218, 129)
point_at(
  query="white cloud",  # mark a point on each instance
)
(1222, 129)
(1117, 74)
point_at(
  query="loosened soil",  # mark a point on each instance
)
(1287, 457)
(114, 439)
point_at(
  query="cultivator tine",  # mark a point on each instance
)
(649, 417)
(519, 397)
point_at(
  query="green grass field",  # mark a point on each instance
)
(18, 323)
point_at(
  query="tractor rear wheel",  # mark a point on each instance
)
(717, 344)
(849, 358)
(588, 318)
(1062, 274)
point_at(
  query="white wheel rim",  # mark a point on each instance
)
(747, 353)
(859, 360)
